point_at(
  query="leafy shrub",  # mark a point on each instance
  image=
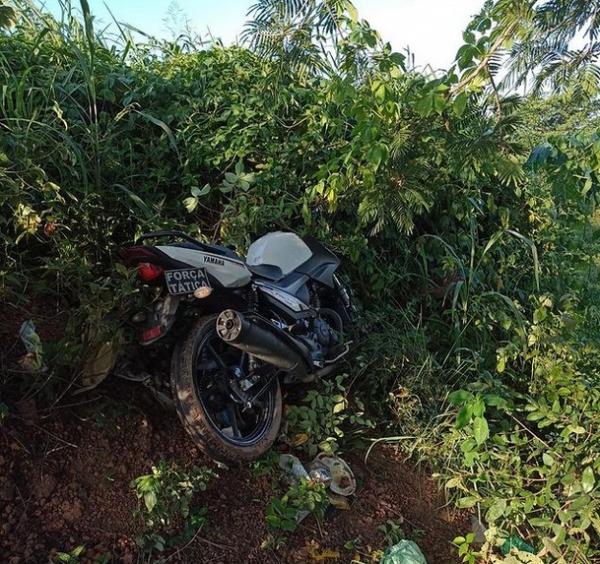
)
(304, 496)
(167, 494)
(317, 423)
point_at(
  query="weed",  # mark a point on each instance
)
(71, 557)
(466, 549)
(107, 414)
(302, 498)
(166, 494)
(273, 541)
(318, 423)
(265, 466)
(392, 531)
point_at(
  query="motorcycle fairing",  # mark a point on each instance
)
(227, 271)
(279, 256)
(282, 252)
(285, 299)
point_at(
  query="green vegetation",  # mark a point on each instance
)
(316, 424)
(167, 495)
(465, 214)
(70, 557)
(304, 496)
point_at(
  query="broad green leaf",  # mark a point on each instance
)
(150, 500)
(339, 407)
(478, 407)
(439, 102)
(481, 431)
(378, 89)
(588, 480)
(453, 482)
(468, 501)
(460, 104)
(459, 397)
(424, 105)
(468, 37)
(464, 416)
(398, 59)
(496, 510)
(377, 154)
(198, 192)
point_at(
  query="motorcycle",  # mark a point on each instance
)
(241, 329)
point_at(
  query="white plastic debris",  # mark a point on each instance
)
(33, 360)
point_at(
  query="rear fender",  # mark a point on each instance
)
(160, 321)
(132, 256)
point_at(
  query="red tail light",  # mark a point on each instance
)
(151, 334)
(148, 271)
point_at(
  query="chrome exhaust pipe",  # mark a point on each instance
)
(263, 343)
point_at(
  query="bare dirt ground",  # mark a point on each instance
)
(65, 481)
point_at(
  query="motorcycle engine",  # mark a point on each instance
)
(319, 337)
(323, 333)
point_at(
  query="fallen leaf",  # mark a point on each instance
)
(339, 502)
(299, 439)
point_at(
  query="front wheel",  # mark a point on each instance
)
(208, 379)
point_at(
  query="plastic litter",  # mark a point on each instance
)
(292, 466)
(295, 471)
(321, 475)
(326, 469)
(518, 543)
(342, 479)
(405, 552)
(478, 529)
(33, 360)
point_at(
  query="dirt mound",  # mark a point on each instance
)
(65, 482)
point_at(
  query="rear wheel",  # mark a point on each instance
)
(208, 377)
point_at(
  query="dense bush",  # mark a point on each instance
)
(466, 222)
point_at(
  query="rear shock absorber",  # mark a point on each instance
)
(253, 299)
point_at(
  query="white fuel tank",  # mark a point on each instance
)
(285, 251)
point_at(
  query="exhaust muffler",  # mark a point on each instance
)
(261, 342)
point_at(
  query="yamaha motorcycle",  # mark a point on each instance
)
(241, 329)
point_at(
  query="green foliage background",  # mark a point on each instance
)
(466, 222)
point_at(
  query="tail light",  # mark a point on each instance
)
(151, 334)
(148, 271)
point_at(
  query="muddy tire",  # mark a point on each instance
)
(196, 417)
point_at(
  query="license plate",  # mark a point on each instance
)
(186, 280)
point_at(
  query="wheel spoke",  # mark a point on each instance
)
(218, 368)
(233, 420)
(216, 357)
